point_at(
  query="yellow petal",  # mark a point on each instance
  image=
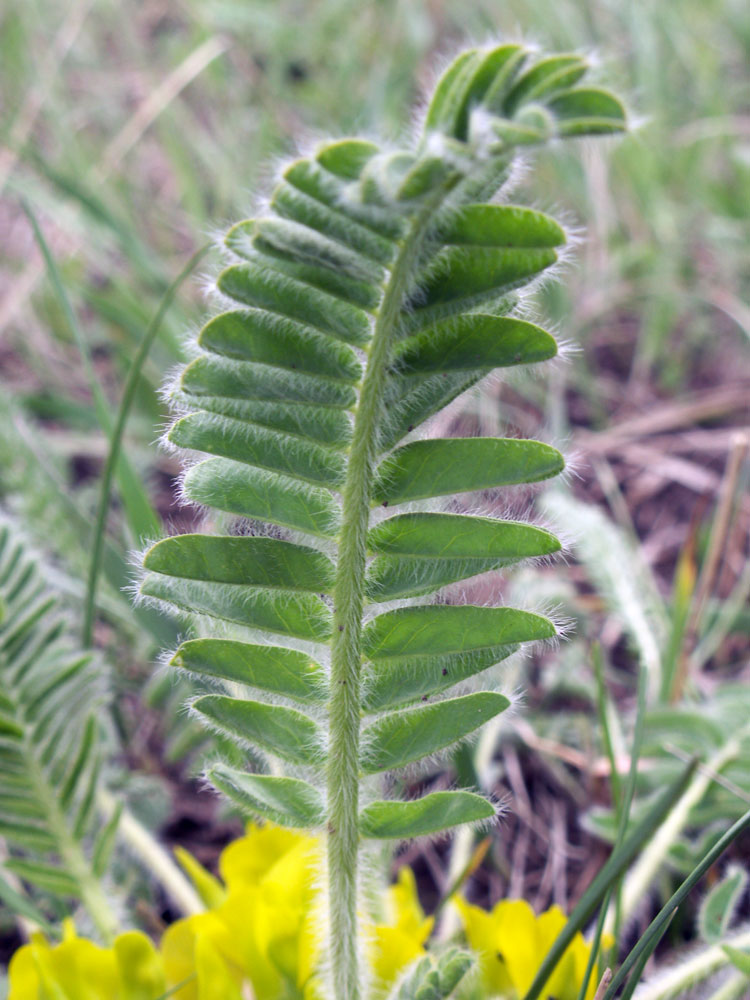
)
(141, 968)
(77, 969)
(516, 941)
(391, 950)
(481, 932)
(208, 887)
(178, 954)
(215, 979)
(247, 860)
(23, 978)
(403, 908)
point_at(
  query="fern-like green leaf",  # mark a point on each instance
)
(52, 742)
(378, 286)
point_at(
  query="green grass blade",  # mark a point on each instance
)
(115, 444)
(612, 870)
(142, 519)
(656, 929)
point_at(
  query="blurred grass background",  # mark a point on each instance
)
(139, 130)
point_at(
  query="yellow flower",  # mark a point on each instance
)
(401, 940)
(263, 927)
(260, 936)
(512, 942)
(77, 969)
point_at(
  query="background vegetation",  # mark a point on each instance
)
(137, 130)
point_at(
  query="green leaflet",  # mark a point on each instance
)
(258, 446)
(544, 78)
(404, 737)
(718, 909)
(433, 629)
(258, 494)
(269, 668)
(464, 277)
(285, 801)
(437, 467)
(258, 336)
(285, 732)
(322, 424)
(232, 379)
(295, 300)
(48, 878)
(431, 814)
(422, 552)
(472, 342)
(387, 684)
(502, 226)
(255, 561)
(584, 110)
(434, 977)
(286, 613)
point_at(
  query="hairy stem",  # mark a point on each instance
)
(344, 707)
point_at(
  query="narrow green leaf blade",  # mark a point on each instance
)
(214, 376)
(428, 815)
(288, 802)
(46, 877)
(472, 342)
(257, 336)
(509, 226)
(282, 731)
(438, 467)
(253, 445)
(263, 288)
(404, 737)
(435, 629)
(739, 959)
(23, 907)
(301, 615)
(276, 669)
(424, 551)
(258, 494)
(395, 683)
(244, 559)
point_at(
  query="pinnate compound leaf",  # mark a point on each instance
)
(438, 467)
(404, 737)
(288, 802)
(428, 815)
(270, 668)
(285, 732)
